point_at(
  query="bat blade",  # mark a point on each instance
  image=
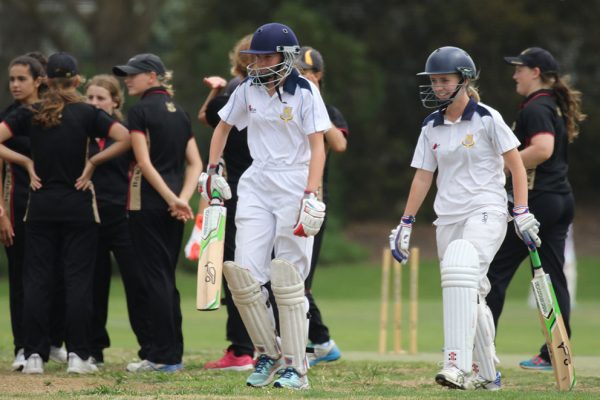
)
(553, 326)
(210, 261)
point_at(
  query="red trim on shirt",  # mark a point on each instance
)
(137, 131)
(535, 97)
(157, 91)
(528, 141)
(9, 129)
(344, 131)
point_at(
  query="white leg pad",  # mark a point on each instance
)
(460, 280)
(484, 352)
(252, 304)
(288, 288)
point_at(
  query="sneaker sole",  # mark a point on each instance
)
(267, 382)
(237, 368)
(33, 371)
(328, 358)
(542, 369)
(441, 379)
(280, 386)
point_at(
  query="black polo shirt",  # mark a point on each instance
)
(540, 114)
(16, 178)
(59, 155)
(337, 119)
(111, 179)
(167, 130)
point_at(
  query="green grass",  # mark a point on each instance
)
(349, 298)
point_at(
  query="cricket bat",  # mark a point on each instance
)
(553, 325)
(210, 261)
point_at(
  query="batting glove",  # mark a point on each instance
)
(526, 226)
(400, 238)
(212, 185)
(311, 217)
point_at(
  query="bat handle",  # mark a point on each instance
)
(533, 252)
(215, 201)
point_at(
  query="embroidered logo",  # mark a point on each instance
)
(452, 356)
(286, 115)
(251, 109)
(170, 106)
(435, 146)
(468, 141)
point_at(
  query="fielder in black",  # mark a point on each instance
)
(547, 122)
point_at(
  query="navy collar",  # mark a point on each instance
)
(438, 118)
(291, 82)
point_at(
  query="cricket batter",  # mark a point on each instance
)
(469, 145)
(277, 209)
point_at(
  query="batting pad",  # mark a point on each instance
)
(252, 304)
(460, 280)
(288, 288)
(484, 353)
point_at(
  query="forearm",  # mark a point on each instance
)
(317, 162)
(514, 163)
(533, 156)
(190, 181)
(418, 191)
(13, 157)
(115, 150)
(202, 111)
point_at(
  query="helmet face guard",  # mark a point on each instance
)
(446, 60)
(269, 39)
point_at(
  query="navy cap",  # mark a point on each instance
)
(61, 65)
(137, 64)
(310, 59)
(535, 57)
(273, 38)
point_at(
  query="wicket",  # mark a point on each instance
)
(386, 266)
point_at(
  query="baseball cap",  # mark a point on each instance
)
(61, 65)
(310, 59)
(535, 57)
(146, 62)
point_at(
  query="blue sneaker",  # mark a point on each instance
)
(324, 352)
(264, 371)
(291, 379)
(536, 363)
(149, 366)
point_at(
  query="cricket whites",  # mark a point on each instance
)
(210, 260)
(553, 325)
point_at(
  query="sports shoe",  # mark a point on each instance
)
(149, 366)
(536, 363)
(34, 365)
(476, 382)
(231, 362)
(291, 379)
(58, 354)
(97, 363)
(264, 371)
(79, 366)
(20, 361)
(452, 377)
(324, 352)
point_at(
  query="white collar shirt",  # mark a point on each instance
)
(278, 127)
(467, 154)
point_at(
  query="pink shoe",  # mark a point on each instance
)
(231, 362)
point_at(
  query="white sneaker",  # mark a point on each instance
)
(476, 382)
(20, 361)
(79, 366)
(34, 365)
(58, 354)
(452, 377)
(145, 366)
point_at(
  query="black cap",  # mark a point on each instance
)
(535, 57)
(61, 65)
(310, 59)
(137, 64)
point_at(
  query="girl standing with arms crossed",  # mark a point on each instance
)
(163, 181)
(277, 206)
(61, 218)
(469, 144)
(111, 182)
(547, 122)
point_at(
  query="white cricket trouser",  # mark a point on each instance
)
(486, 231)
(268, 207)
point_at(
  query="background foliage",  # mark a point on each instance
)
(372, 51)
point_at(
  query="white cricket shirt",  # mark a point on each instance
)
(468, 157)
(278, 129)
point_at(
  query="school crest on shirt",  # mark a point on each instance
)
(286, 115)
(468, 140)
(170, 106)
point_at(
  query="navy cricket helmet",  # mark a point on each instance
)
(446, 60)
(268, 39)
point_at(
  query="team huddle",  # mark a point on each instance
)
(82, 182)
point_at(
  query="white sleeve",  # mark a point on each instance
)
(235, 111)
(314, 114)
(502, 136)
(424, 156)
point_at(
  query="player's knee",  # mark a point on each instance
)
(286, 283)
(460, 265)
(244, 288)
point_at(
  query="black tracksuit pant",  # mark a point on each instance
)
(555, 213)
(114, 236)
(157, 240)
(70, 247)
